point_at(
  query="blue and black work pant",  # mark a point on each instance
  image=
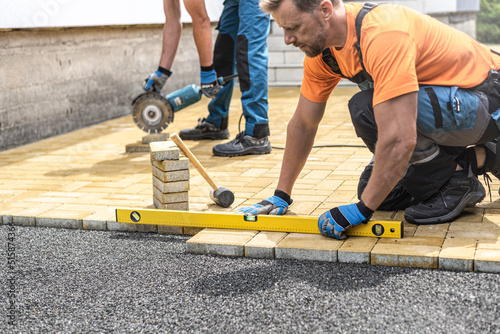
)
(436, 155)
(241, 44)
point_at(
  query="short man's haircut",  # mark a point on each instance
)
(307, 6)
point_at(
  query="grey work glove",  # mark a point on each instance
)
(156, 80)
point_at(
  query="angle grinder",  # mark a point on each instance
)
(152, 112)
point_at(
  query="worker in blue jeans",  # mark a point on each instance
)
(242, 45)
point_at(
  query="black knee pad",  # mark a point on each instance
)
(223, 55)
(242, 62)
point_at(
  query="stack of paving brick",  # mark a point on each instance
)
(170, 176)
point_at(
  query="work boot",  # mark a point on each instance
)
(204, 130)
(492, 162)
(243, 145)
(461, 191)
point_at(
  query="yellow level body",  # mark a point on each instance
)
(287, 223)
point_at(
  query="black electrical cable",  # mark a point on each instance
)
(316, 146)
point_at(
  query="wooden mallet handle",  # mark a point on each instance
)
(178, 141)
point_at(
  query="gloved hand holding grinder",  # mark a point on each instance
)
(333, 223)
(208, 78)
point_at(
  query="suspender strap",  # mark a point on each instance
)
(332, 62)
(359, 21)
(493, 51)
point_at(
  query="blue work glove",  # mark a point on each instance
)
(334, 222)
(209, 85)
(156, 80)
(274, 205)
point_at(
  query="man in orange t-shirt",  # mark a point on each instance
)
(435, 91)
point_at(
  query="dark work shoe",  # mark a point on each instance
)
(204, 130)
(492, 162)
(459, 192)
(243, 145)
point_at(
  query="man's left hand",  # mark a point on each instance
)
(334, 222)
(209, 85)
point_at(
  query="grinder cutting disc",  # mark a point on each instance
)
(152, 112)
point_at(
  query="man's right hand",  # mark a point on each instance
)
(155, 82)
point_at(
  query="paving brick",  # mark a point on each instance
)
(171, 165)
(457, 254)
(356, 249)
(263, 244)
(170, 206)
(300, 246)
(179, 175)
(164, 150)
(59, 222)
(488, 244)
(121, 227)
(170, 198)
(487, 260)
(435, 230)
(147, 228)
(154, 137)
(136, 148)
(405, 255)
(473, 230)
(24, 220)
(414, 240)
(165, 229)
(170, 187)
(189, 230)
(220, 242)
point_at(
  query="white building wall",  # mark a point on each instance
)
(78, 13)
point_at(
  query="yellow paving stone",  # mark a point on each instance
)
(317, 174)
(164, 150)
(220, 242)
(263, 244)
(436, 230)
(414, 240)
(471, 215)
(405, 255)
(409, 231)
(189, 230)
(170, 187)
(300, 246)
(457, 254)
(475, 231)
(303, 208)
(487, 260)
(99, 219)
(356, 249)
(488, 244)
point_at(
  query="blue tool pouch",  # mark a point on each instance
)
(443, 109)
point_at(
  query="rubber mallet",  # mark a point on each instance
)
(220, 195)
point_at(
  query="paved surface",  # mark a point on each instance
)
(76, 281)
(77, 180)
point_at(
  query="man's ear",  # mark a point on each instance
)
(326, 9)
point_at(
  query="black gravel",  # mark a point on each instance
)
(76, 281)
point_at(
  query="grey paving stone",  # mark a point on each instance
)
(59, 222)
(23, 220)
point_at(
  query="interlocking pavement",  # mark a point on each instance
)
(77, 180)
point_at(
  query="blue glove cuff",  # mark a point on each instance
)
(208, 76)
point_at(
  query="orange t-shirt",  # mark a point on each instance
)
(401, 49)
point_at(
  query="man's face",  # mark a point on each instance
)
(303, 30)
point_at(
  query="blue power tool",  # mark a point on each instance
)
(152, 112)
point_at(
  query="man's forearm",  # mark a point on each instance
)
(299, 142)
(397, 134)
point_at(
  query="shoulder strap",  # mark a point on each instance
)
(332, 62)
(359, 21)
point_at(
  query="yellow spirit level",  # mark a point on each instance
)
(287, 223)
